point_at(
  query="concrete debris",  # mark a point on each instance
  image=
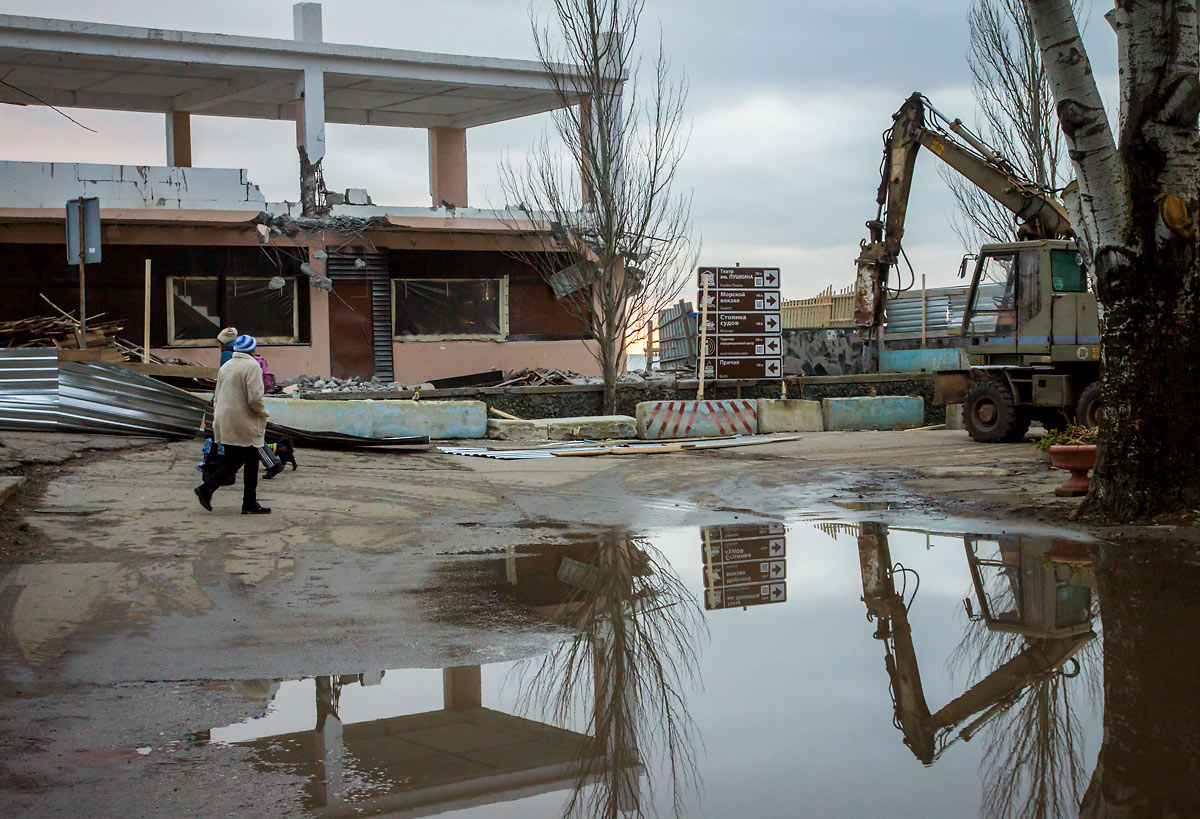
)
(312, 383)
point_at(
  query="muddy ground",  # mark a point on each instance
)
(144, 604)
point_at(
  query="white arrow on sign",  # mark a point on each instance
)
(773, 345)
(770, 278)
(772, 368)
(770, 301)
(772, 323)
(776, 546)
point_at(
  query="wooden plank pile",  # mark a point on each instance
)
(57, 331)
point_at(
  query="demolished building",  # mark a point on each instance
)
(418, 293)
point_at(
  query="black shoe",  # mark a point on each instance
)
(255, 510)
(274, 470)
(205, 497)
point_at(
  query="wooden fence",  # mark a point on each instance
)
(827, 309)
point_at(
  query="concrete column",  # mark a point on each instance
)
(585, 145)
(448, 166)
(306, 22)
(179, 139)
(462, 687)
(310, 134)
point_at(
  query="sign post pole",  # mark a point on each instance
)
(146, 319)
(82, 284)
(703, 339)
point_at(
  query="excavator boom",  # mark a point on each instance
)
(918, 124)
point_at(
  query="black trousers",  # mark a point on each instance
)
(237, 457)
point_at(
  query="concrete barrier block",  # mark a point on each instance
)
(383, 419)
(503, 429)
(589, 427)
(874, 412)
(696, 419)
(954, 416)
(789, 415)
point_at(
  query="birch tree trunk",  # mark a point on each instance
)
(1139, 202)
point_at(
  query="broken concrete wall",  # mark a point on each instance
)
(50, 184)
(829, 351)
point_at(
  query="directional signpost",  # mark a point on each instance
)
(741, 324)
(744, 565)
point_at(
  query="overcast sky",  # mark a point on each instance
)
(788, 101)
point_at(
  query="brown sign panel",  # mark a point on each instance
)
(742, 531)
(738, 277)
(744, 368)
(736, 597)
(759, 548)
(748, 571)
(739, 301)
(742, 323)
(743, 346)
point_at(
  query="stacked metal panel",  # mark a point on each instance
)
(677, 346)
(39, 392)
(943, 309)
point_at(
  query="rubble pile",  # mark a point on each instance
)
(312, 383)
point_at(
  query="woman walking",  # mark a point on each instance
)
(239, 424)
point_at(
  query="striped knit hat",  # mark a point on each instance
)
(244, 344)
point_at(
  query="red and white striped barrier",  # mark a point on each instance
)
(696, 419)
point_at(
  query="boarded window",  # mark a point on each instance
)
(450, 308)
(199, 306)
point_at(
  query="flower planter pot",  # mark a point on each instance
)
(1077, 460)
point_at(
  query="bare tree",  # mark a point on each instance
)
(605, 179)
(1137, 208)
(1016, 117)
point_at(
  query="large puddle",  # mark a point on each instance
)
(818, 667)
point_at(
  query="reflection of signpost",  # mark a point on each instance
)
(740, 323)
(744, 565)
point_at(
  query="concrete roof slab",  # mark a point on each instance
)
(93, 65)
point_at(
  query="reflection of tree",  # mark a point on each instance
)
(1033, 761)
(1149, 762)
(638, 629)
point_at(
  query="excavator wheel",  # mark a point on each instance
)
(991, 415)
(1087, 411)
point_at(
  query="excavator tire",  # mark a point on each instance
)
(991, 416)
(1087, 411)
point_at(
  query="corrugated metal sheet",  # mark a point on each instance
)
(943, 309)
(29, 388)
(677, 327)
(342, 266)
(38, 392)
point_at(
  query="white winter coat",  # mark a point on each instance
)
(239, 414)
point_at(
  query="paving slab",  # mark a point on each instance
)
(789, 415)
(589, 427)
(503, 429)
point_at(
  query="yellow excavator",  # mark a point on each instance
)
(1019, 590)
(1030, 328)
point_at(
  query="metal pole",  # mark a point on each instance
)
(922, 311)
(146, 319)
(703, 338)
(82, 287)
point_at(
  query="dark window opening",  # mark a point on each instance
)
(450, 308)
(199, 306)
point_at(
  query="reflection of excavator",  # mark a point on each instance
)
(1049, 604)
(1030, 328)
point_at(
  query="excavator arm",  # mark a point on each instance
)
(918, 124)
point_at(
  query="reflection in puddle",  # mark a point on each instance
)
(992, 638)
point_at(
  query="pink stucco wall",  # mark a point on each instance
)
(417, 361)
